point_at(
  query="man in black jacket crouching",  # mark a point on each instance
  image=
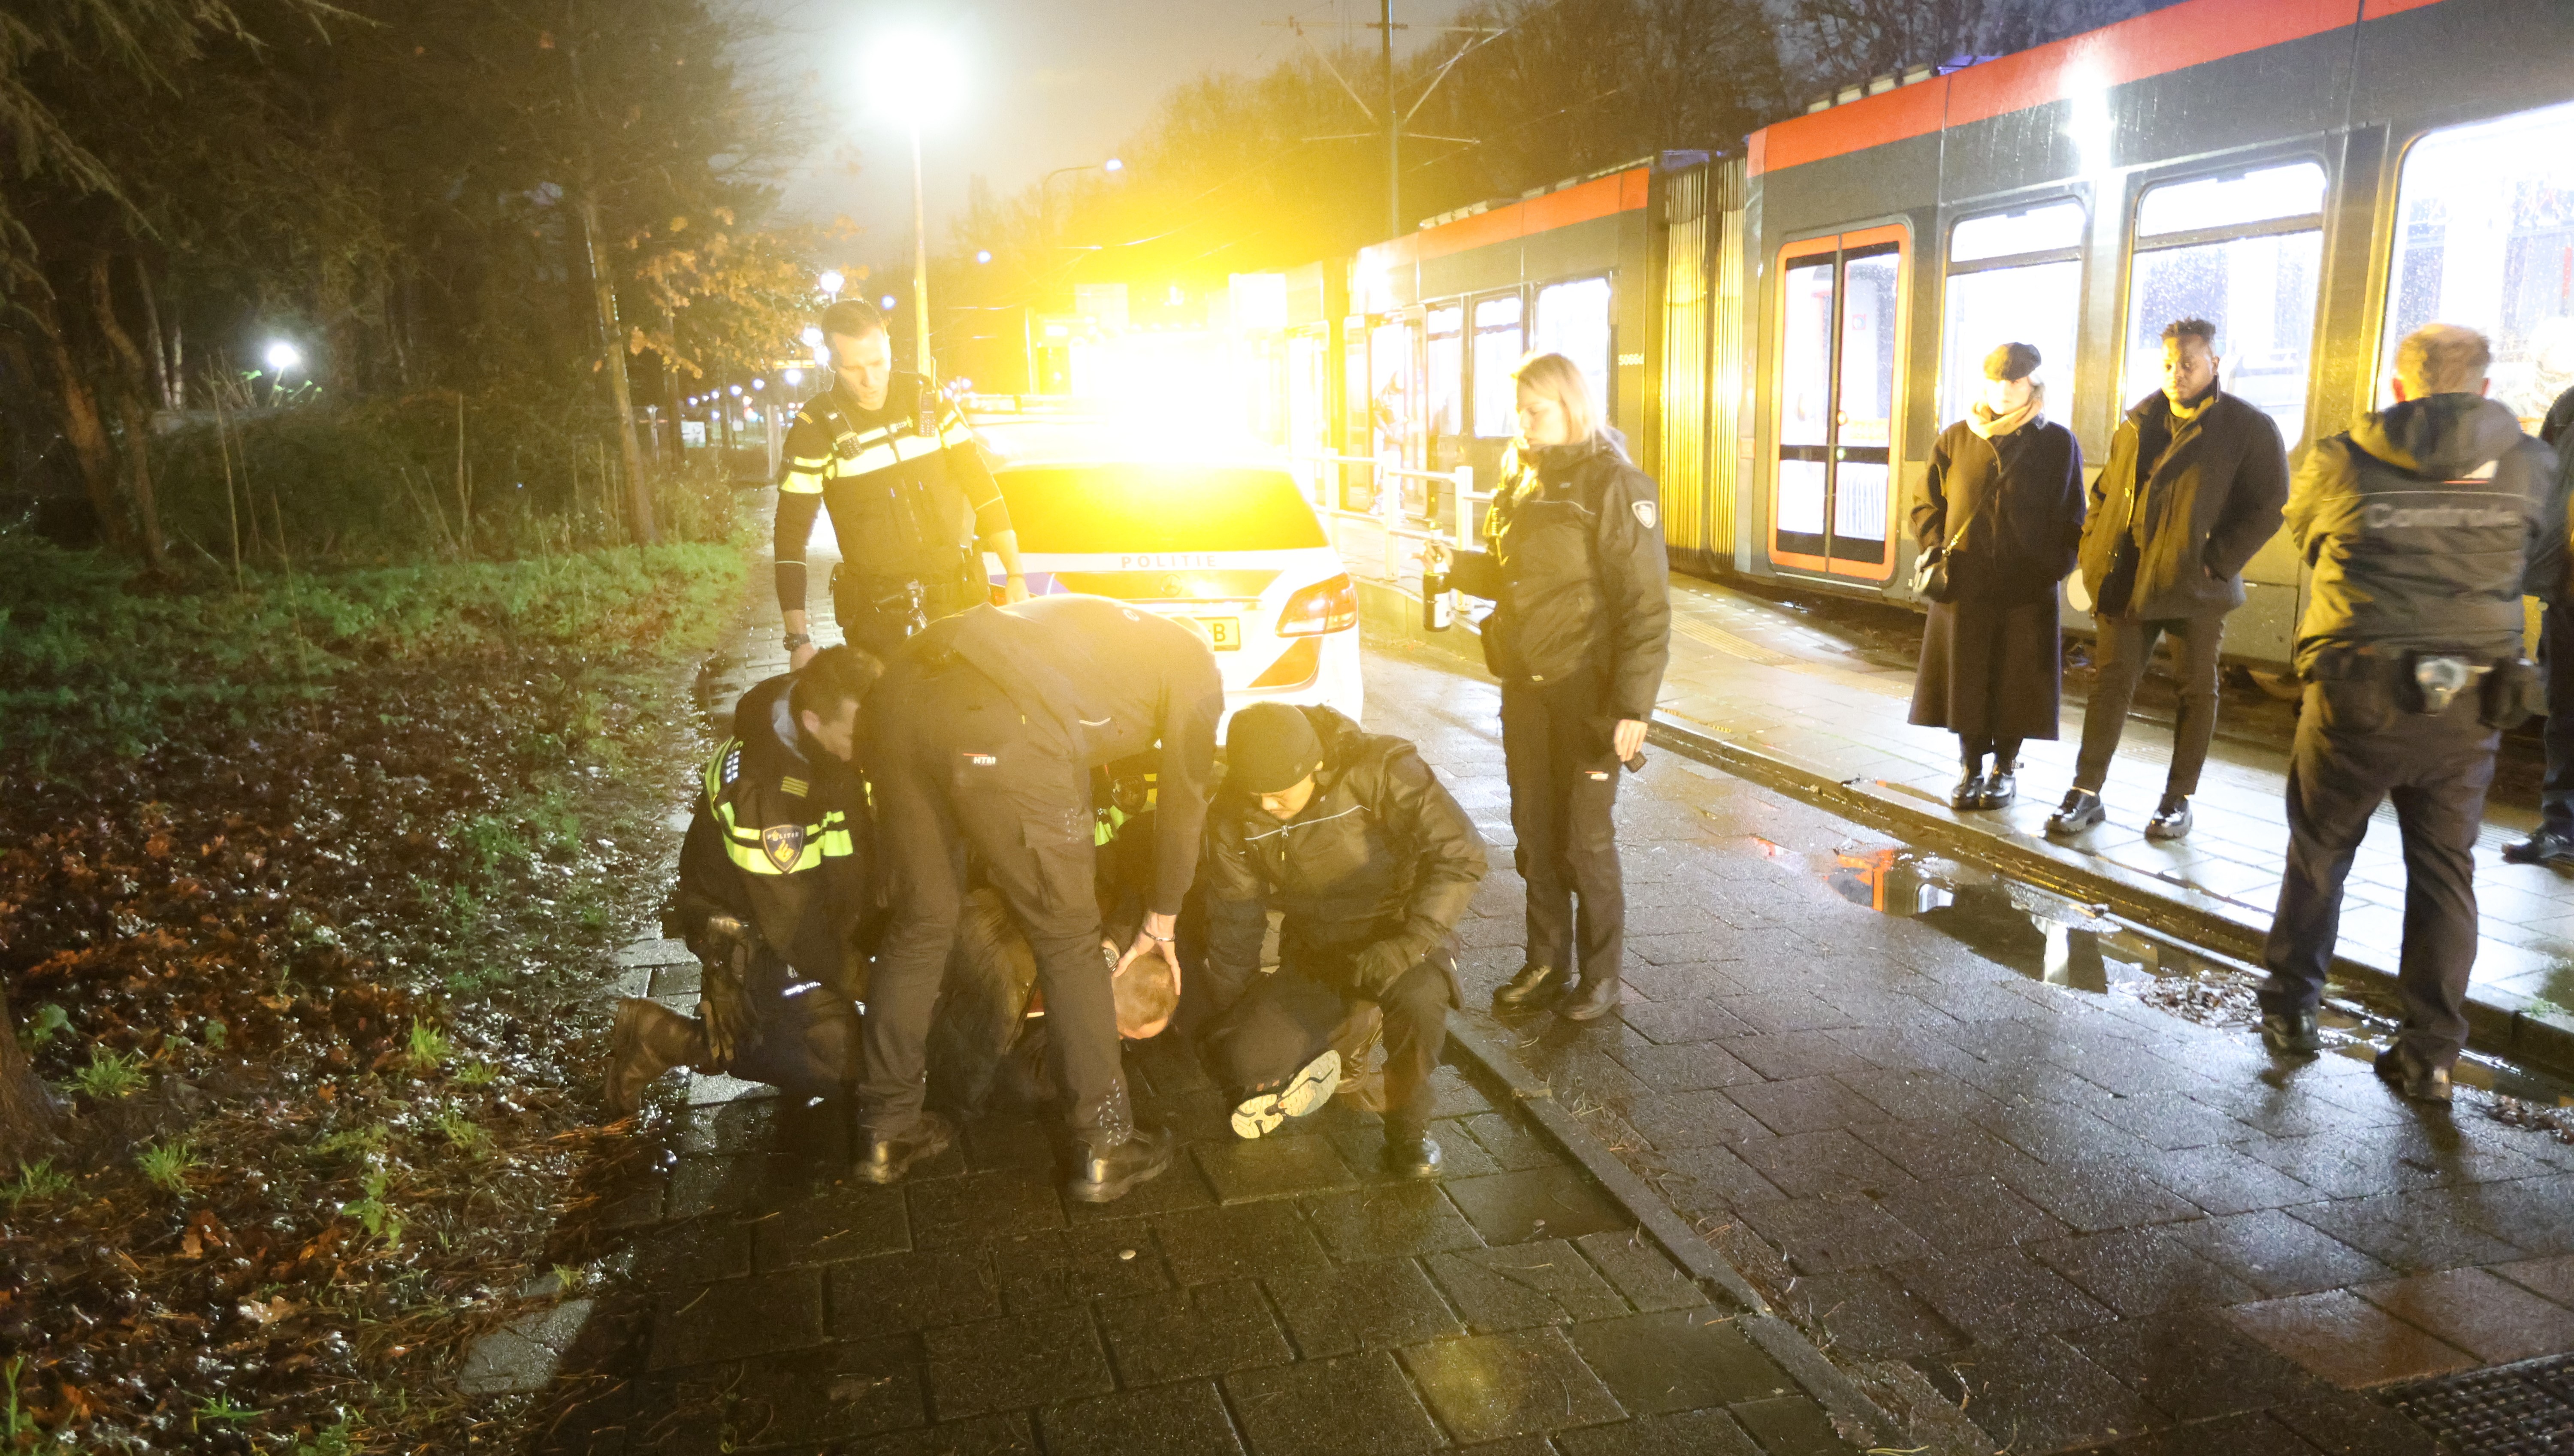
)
(1373, 862)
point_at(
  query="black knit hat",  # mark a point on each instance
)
(1270, 748)
(2011, 361)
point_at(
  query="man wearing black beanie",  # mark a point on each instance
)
(1372, 863)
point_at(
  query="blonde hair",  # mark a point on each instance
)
(1561, 380)
(2442, 359)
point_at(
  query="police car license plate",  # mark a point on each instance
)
(1224, 632)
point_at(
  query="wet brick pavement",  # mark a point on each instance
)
(2094, 1224)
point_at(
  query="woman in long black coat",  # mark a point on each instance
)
(2005, 513)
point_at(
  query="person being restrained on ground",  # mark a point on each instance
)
(1373, 862)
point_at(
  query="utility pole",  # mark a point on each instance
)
(1393, 131)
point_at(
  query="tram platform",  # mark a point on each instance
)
(1782, 694)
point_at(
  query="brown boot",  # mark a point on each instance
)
(650, 1039)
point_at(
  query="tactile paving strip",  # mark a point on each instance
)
(2505, 1411)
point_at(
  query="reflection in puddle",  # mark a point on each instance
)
(2065, 942)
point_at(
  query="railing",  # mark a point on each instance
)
(1387, 512)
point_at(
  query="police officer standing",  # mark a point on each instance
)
(774, 884)
(2554, 842)
(912, 501)
(981, 740)
(2418, 525)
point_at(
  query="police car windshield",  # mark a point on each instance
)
(1156, 507)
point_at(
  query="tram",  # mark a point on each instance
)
(1782, 335)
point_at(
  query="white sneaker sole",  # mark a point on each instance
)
(1312, 1087)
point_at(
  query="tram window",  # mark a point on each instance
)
(2041, 229)
(1868, 351)
(1573, 320)
(2012, 277)
(2245, 253)
(1497, 353)
(1445, 358)
(1806, 362)
(2486, 238)
(1394, 397)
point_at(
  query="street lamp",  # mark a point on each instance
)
(917, 75)
(832, 282)
(1112, 167)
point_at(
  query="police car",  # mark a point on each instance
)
(1232, 547)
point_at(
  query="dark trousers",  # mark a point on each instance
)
(2355, 746)
(877, 611)
(2120, 652)
(802, 1038)
(954, 769)
(1288, 1018)
(1562, 773)
(2556, 662)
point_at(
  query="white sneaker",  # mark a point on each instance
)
(1307, 1092)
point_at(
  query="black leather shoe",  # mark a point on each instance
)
(2000, 787)
(2294, 1033)
(2081, 811)
(1534, 986)
(2171, 821)
(1970, 792)
(1409, 1158)
(2547, 847)
(2420, 1084)
(886, 1159)
(1105, 1177)
(1594, 997)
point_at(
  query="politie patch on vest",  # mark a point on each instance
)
(1645, 513)
(979, 761)
(785, 844)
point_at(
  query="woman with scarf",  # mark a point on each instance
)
(2000, 521)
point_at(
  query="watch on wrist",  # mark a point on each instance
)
(796, 639)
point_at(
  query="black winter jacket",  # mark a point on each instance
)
(2419, 524)
(1577, 574)
(2019, 498)
(2209, 502)
(781, 840)
(1381, 851)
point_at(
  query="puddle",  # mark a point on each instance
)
(2079, 946)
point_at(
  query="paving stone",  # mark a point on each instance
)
(1461, 1156)
(1819, 1235)
(2038, 1395)
(1076, 1265)
(2347, 1425)
(1001, 1435)
(1795, 1055)
(1493, 1386)
(1390, 1221)
(1790, 1425)
(2527, 1212)
(837, 1392)
(2277, 1254)
(1713, 1180)
(1866, 1316)
(1688, 1067)
(1999, 1294)
(2410, 1232)
(1246, 1242)
(1690, 1434)
(1350, 1307)
(1272, 1168)
(2223, 1179)
(1964, 1214)
(1692, 1119)
(2097, 1197)
(1556, 1203)
(2171, 1120)
(1640, 1270)
(1177, 1421)
(996, 1144)
(2190, 1367)
(892, 1292)
(1909, 1095)
(696, 1251)
(1686, 1359)
(1191, 1333)
(2251, 1435)
(1524, 1285)
(716, 1184)
(1942, 1151)
(1006, 1364)
(736, 1318)
(1511, 1145)
(845, 1223)
(2141, 1271)
(1812, 1164)
(2345, 1340)
(2496, 1321)
(2552, 1277)
(978, 1207)
(1806, 1104)
(1359, 1405)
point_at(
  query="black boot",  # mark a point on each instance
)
(1970, 791)
(885, 1160)
(2001, 787)
(1409, 1154)
(1106, 1176)
(1594, 997)
(1533, 987)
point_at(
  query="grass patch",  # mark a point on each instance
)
(166, 1165)
(38, 1179)
(109, 1075)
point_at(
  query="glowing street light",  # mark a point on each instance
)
(283, 357)
(982, 255)
(1112, 165)
(795, 375)
(887, 303)
(832, 282)
(917, 77)
(812, 335)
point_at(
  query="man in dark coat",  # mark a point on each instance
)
(2420, 523)
(1373, 862)
(2553, 844)
(2002, 513)
(2194, 487)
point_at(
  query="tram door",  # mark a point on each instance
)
(1840, 321)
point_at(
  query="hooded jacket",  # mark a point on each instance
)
(2206, 504)
(1381, 851)
(1577, 574)
(2420, 525)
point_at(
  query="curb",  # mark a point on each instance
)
(2493, 1028)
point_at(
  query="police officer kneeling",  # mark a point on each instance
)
(1373, 863)
(2418, 525)
(774, 882)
